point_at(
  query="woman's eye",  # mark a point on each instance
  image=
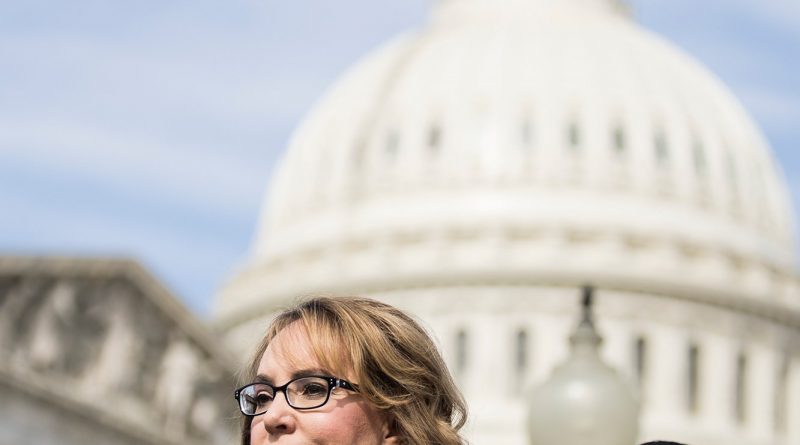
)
(314, 390)
(263, 397)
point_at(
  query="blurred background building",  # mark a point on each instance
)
(476, 172)
(98, 352)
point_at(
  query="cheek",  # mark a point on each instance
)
(352, 423)
(258, 434)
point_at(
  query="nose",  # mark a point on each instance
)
(280, 417)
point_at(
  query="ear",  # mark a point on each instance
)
(391, 440)
(390, 436)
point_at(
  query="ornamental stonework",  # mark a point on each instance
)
(104, 340)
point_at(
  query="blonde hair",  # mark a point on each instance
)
(392, 359)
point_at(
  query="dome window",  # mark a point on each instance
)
(574, 136)
(740, 397)
(521, 353)
(661, 149)
(733, 177)
(358, 152)
(461, 352)
(526, 133)
(693, 379)
(434, 137)
(640, 361)
(392, 142)
(699, 155)
(619, 140)
(781, 399)
(761, 194)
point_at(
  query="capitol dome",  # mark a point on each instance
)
(527, 125)
(478, 170)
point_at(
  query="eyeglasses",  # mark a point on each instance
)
(301, 393)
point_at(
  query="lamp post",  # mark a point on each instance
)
(585, 401)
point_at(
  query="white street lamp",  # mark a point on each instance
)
(585, 401)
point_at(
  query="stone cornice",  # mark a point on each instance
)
(54, 396)
(738, 302)
(132, 270)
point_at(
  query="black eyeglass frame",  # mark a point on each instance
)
(333, 383)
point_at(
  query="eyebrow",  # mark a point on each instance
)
(261, 378)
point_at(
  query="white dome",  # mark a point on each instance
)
(559, 137)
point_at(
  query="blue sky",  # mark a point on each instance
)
(150, 129)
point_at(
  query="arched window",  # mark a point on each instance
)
(392, 143)
(619, 139)
(526, 133)
(699, 155)
(661, 148)
(434, 137)
(693, 379)
(461, 351)
(521, 353)
(640, 360)
(733, 177)
(740, 397)
(359, 152)
(781, 399)
(574, 135)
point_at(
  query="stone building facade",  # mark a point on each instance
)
(96, 351)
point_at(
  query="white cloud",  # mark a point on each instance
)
(206, 177)
(782, 13)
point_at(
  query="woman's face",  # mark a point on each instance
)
(346, 419)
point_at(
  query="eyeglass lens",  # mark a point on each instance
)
(303, 393)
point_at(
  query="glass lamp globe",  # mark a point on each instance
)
(585, 401)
